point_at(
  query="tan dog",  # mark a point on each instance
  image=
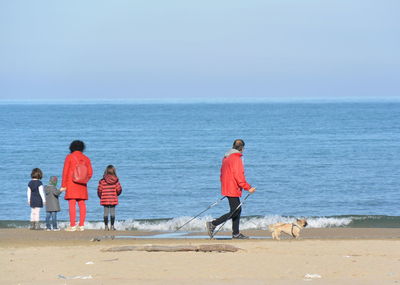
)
(290, 229)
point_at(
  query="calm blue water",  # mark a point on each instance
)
(306, 159)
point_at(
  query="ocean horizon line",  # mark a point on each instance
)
(248, 100)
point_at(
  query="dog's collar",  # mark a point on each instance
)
(295, 225)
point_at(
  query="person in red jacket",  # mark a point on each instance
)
(232, 182)
(76, 174)
(108, 191)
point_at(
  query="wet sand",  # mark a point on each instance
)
(329, 256)
(25, 237)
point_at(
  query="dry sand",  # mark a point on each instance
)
(337, 256)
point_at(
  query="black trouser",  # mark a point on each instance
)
(109, 209)
(234, 202)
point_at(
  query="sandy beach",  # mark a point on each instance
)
(321, 256)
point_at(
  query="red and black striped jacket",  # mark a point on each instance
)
(108, 190)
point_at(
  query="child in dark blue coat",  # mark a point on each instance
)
(36, 198)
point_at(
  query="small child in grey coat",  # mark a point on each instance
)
(52, 203)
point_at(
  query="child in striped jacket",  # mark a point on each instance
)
(108, 191)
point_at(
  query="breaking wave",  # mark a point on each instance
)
(246, 223)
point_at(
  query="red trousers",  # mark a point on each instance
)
(72, 212)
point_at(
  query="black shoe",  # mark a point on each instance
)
(112, 228)
(240, 236)
(210, 228)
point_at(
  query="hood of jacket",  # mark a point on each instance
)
(231, 151)
(110, 179)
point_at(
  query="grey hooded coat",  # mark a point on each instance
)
(52, 203)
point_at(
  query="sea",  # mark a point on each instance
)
(335, 163)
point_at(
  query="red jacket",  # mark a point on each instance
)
(108, 190)
(232, 176)
(75, 190)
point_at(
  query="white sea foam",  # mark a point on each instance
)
(198, 224)
(327, 222)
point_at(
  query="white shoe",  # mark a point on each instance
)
(56, 230)
(80, 228)
(48, 230)
(71, 229)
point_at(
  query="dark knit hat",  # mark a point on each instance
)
(53, 180)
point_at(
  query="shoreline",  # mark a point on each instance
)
(247, 223)
(27, 238)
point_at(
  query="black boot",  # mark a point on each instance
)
(106, 223)
(112, 223)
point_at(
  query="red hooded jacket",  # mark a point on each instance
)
(232, 175)
(75, 190)
(108, 190)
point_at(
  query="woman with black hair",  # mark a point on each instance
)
(76, 174)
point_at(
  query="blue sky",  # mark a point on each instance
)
(73, 50)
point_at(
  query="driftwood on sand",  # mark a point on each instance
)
(178, 248)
